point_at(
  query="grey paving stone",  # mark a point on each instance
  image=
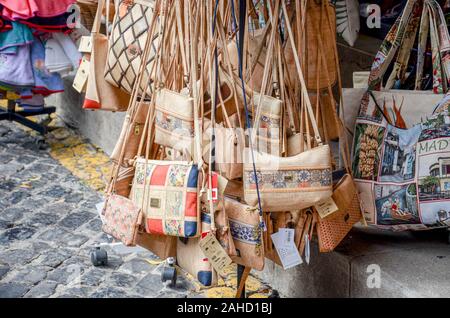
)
(93, 277)
(41, 219)
(53, 258)
(55, 191)
(66, 275)
(76, 292)
(17, 196)
(109, 292)
(17, 256)
(4, 269)
(122, 280)
(136, 266)
(13, 290)
(13, 214)
(75, 220)
(20, 233)
(42, 290)
(32, 275)
(150, 285)
(95, 225)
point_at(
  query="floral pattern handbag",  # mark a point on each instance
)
(168, 191)
(122, 219)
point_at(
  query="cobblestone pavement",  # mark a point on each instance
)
(49, 225)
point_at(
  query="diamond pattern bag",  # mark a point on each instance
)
(128, 37)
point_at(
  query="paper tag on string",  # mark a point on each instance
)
(215, 253)
(307, 249)
(289, 255)
(326, 207)
(85, 44)
(81, 78)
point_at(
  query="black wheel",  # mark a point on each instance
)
(99, 257)
(274, 294)
(169, 273)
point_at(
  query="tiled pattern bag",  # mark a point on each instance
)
(127, 42)
(122, 219)
(246, 232)
(167, 191)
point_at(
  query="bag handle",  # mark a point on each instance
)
(132, 110)
(303, 88)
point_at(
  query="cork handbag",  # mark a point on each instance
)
(122, 219)
(191, 258)
(128, 37)
(289, 183)
(101, 95)
(332, 229)
(244, 223)
(174, 120)
(131, 134)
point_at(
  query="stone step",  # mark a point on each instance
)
(410, 264)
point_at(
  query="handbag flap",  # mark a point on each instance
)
(179, 105)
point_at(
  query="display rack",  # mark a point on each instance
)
(9, 113)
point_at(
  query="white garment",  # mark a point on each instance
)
(56, 59)
(69, 47)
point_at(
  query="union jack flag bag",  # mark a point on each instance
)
(168, 191)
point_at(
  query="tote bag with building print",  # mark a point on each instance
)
(399, 151)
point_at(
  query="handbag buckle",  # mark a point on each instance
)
(137, 129)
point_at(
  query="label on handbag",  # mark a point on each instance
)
(289, 255)
(81, 78)
(85, 44)
(215, 253)
(326, 207)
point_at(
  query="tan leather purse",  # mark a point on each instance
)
(244, 223)
(174, 120)
(132, 128)
(332, 229)
(100, 95)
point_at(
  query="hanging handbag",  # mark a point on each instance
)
(122, 219)
(133, 127)
(289, 183)
(191, 258)
(397, 147)
(128, 37)
(332, 229)
(244, 224)
(174, 121)
(168, 193)
(100, 94)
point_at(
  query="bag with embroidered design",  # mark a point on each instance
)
(168, 191)
(288, 183)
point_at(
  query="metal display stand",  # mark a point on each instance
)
(11, 114)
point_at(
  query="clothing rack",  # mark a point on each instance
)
(9, 113)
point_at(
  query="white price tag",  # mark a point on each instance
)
(85, 44)
(80, 81)
(326, 207)
(288, 254)
(215, 253)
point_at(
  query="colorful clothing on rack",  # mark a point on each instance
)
(46, 83)
(12, 39)
(26, 9)
(15, 69)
